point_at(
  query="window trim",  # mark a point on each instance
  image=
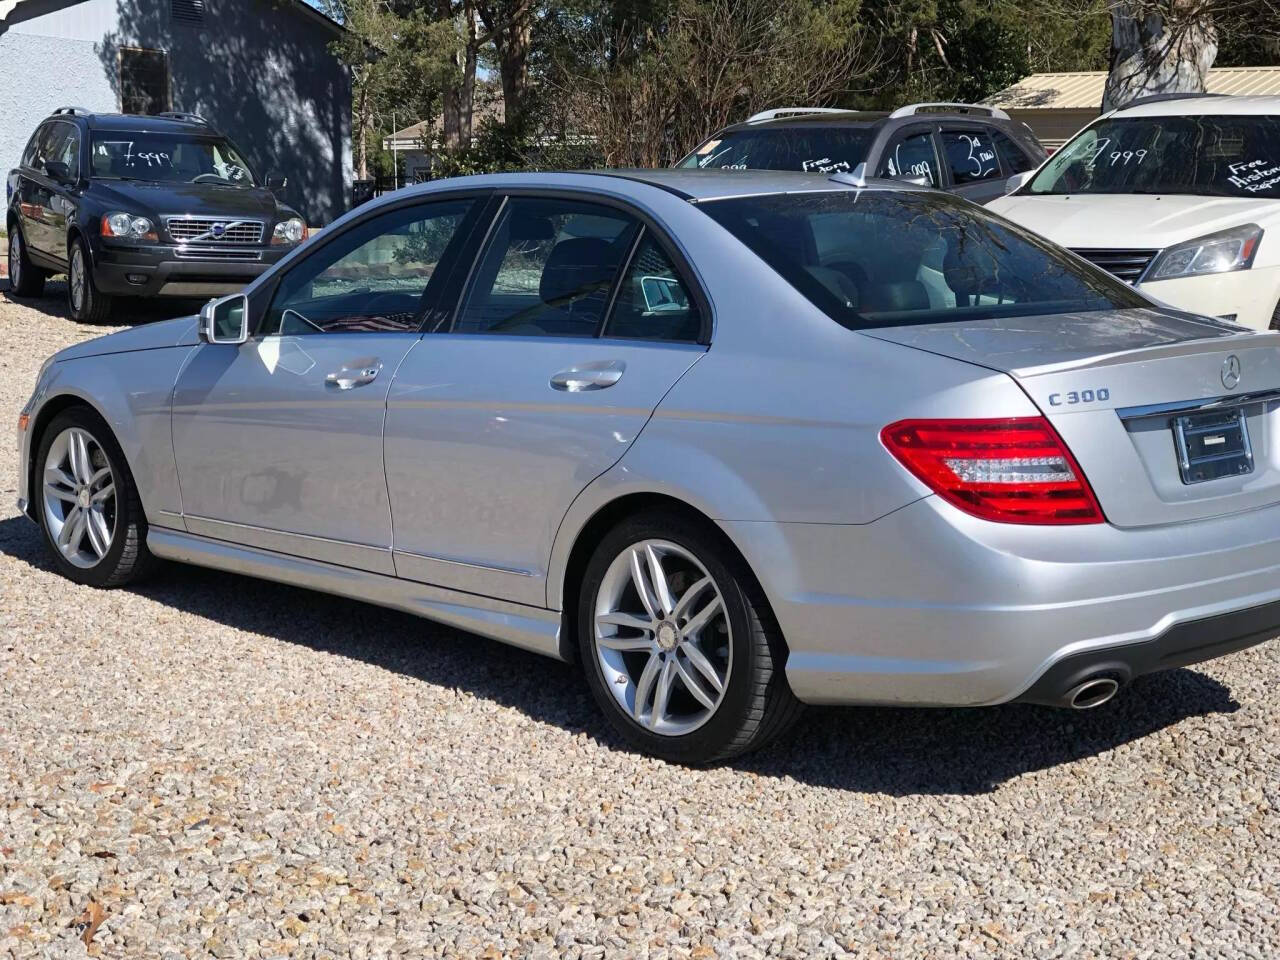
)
(261, 298)
(168, 74)
(684, 266)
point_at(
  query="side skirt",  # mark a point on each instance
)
(530, 628)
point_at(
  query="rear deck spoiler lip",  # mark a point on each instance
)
(1245, 340)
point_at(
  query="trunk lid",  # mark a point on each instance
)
(1171, 416)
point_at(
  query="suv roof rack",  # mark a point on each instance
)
(912, 109)
(1160, 97)
(791, 111)
(183, 115)
(72, 112)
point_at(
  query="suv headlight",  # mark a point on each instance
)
(128, 226)
(1221, 252)
(292, 230)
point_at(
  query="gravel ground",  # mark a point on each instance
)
(214, 766)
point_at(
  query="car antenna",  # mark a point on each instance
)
(857, 177)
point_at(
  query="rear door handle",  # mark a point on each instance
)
(589, 376)
(357, 376)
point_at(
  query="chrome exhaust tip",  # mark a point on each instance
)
(1094, 692)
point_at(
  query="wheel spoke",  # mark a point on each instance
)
(106, 493)
(625, 644)
(641, 581)
(56, 475)
(703, 666)
(96, 528)
(666, 677)
(644, 686)
(620, 619)
(55, 491)
(685, 603)
(661, 588)
(97, 478)
(694, 687)
(79, 453)
(703, 616)
(72, 533)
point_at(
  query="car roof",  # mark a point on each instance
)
(1202, 106)
(138, 123)
(844, 118)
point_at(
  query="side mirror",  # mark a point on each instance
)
(277, 182)
(1017, 180)
(57, 170)
(225, 320)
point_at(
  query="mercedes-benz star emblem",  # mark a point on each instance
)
(1231, 372)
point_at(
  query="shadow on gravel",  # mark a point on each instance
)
(896, 751)
(128, 311)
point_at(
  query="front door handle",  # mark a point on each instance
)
(356, 376)
(589, 376)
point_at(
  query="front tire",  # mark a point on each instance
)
(84, 301)
(90, 512)
(25, 278)
(678, 645)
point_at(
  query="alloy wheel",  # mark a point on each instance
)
(77, 278)
(79, 497)
(662, 637)
(15, 260)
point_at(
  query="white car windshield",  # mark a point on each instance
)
(1214, 156)
(168, 158)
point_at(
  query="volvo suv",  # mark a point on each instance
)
(967, 149)
(124, 205)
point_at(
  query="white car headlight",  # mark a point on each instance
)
(128, 226)
(289, 231)
(1221, 252)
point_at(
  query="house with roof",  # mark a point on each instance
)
(260, 71)
(1056, 105)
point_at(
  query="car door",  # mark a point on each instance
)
(972, 163)
(35, 193)
(279, 440)
(575, 323)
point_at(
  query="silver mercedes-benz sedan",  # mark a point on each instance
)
(733, 441)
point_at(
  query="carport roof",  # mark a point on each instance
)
(1083, 90)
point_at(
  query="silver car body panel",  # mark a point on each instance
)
(885, 593)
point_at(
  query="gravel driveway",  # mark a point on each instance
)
(215, 766)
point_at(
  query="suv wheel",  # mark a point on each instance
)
(679, 648)
(85, 302)
(25, 278)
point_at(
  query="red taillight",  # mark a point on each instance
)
(1012, 471)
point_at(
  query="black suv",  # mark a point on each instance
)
(965, 149)
(139, 206)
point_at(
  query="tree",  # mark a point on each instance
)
(1159, 48)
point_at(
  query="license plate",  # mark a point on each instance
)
(1212, 445)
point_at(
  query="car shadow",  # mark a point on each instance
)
(895, 751)
(128, 311)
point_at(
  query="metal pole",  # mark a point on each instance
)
(395, 155)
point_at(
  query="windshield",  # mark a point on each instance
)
(1211, 156)
(813, 149)
(168, 158)
(881, 259)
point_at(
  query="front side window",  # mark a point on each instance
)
(911, 157)
(375, 277)
(880, 259)
(168, 158)
(653, 302)
(548, 269)
(1219, 156)
(970, 155)
(812, 149)
(144, 81)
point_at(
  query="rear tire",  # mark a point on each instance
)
(25, 278)
(85, 303)
(88, 504)
(704, 625)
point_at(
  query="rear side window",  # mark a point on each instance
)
(64, 147)
(33, 156)
(1012, 157)
(548, 269)
(886, 258)
(810, 148)
(971, 156)
(911, 157)
(653, 302)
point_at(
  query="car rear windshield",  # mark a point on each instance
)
(886, 258)
(808, 148)
(1213, 156)
(168, 158)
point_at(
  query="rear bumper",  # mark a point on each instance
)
(1249, 295)
(929, 606)
(171, 271)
